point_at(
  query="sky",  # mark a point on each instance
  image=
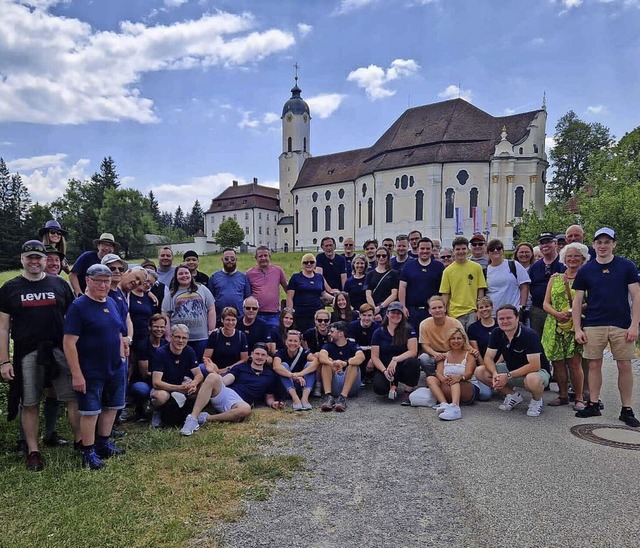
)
(186, 95)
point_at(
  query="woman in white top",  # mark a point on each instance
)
(451, 385)
(507, 280)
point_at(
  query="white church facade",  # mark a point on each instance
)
(446, 168)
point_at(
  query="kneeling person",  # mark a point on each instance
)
(525, 365)
(340, 360)
(250, 381)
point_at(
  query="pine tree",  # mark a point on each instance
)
(179, 221)
(15, 203)
(195, 219)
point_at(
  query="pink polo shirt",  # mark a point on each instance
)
(265, 286)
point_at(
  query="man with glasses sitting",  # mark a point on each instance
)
(254, 328)
(315, 338)
(229, 286)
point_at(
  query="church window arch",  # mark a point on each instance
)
(370, 212)
(535, 149)
(304, 144)
(463, 177)
(327, 218)
(289, 144)
(449, 201)
(314, 219)
(521, 150)
(314, 196)
(518, 205)
(359, 214)
(404, 182)
(297, 221)
(388, 203)
(341, 217)
(473, 200)
(412, 181)
(397, 183)
(419, 205)
(364, 190)
(341, 193)
(327, 195)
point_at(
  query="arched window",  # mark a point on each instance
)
(521, 150)
(341, 217)
(297, 222)
(404, 182)
(314, 196)
(341, 193)
(535, 149)
(419, 205)
(411, 180)
(519, 202)
(304, 144)
(462, 176)
(359, 214)
(397, 182)
(314, 219)
(473, 200)
(388, 203)
(449, 201)
(364, 190)
(289, 144)
(327, 195)
(370, 212)
(327, 218)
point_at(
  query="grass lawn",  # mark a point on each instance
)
(165, 491)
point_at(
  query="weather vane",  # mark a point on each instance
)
(296, 67)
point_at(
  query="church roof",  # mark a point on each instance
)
(249, 196)
(296, 104)
(445, 132)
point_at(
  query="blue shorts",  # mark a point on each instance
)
(103, 394)
(337, 384)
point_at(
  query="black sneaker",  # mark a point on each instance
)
(591, 410)
(341, 404)
(35, 462)
(627, 416)
(91, 460)
(108, 450)
(55, 441)
(328, 403)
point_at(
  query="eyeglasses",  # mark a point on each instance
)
(477, 244)
(388, 246)
(99, 282)
(55, 232)
(308, 262)
(158, 326)
(414, 239)
(229, 259)
(251, 308)
(495, 248)
(381, 255)
(179, 337)
(323, 320)
(117, 269)
(348, 245)
(446, 256)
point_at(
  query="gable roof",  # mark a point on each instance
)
(249, 196)
(445, 132)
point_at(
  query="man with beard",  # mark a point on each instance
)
(402, 253)
(105, 244)
(229, 286)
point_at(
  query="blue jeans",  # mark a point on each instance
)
(271, 319)
(309, 379)
(198, 347)
(337, 384)
(140, 393)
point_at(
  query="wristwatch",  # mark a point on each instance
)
(508, 375)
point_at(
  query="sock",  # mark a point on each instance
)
(101, 441)
(51, 407)
(86, 449)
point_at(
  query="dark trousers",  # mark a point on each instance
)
(407, 372)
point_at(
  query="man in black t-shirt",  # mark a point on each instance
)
(32, 309)
(340, 360)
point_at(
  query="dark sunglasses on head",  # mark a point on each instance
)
(477, 244)
(308, 262)
(446, 256)
(323, 320)
(495, 248)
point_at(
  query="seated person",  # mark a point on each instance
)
(434, 332)
(450, 385)
(315, 338)
(250, 383)
(176, 378)
(296, 365)
(524, 366)
(227, 346)
(340, 360)
(479, 332)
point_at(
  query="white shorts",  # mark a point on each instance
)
(225, 400)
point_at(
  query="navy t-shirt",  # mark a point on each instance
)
(146, 351)
(315, 340)
(381, 284)
(140, 310)
(123, 307)
(481, 335)
(252, 386)
(257, 332)
(283, 354)
(395, 265)
(362, 335)
(332, 269)
(355, 288)
(98, 326)
(174, 367)
(341, 352)
(540, 273)
(348, 261)
(423, 282)
(82, 264)
(607, 292)
(307, 292)
(226, 350)
(384, 339)
(514, 352)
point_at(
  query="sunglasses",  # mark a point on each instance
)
(229, 259)
(381, 255)
(308, 262)
(388, 246)
(348, 245)
(446, 256)
(495, 248)
(323, 320)
(55, 232)
(477, 244)
(251, 308)
(117, 268)
(33, 248)
(413, 239)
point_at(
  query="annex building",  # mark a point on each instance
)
(444, 169)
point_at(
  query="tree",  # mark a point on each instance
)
(38, 215)
(166, 220)
(125, 213)
(575, 140)
(179, 221)
(195, 219)
(75, 212)
(554, 218)
(15, 203)
(154, 207)
(229, 234)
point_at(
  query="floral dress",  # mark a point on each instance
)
(558, 344)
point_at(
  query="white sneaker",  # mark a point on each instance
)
(202, 418)
(535, 408)
(190, 426)
(451, 413)
(156, 419)
(510, 401)
(441, 407)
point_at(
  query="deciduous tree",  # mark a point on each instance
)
(229, 234)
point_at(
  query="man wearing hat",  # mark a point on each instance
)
(104, 244)
(478, 244)
(540, 272)
(55, 260)
(94, 349)
(32, 310)
(608, 282)
(191, 259)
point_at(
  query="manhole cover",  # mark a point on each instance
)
(622, 437)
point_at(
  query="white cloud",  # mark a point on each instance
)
(203, 189)
(596, 109)
(509, 111)
(347, 6)
(537, 42)
(42, 4)
(247, 121)
(325, 104)
(549, 143)
(58, 70)
(270, 118)
(174, 3)
(453, 92)
(373, 78)
(36, 162)
(304, 29)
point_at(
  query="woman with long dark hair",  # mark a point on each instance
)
(54, 235)
(354, 285)
(342, 309)
(381, 285)
(286, 321)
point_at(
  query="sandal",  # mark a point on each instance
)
(559, 401)
(579, 406)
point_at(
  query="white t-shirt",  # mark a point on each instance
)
(504, 288)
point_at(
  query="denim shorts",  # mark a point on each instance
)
(103, 394)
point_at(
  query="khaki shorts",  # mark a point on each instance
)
(597, 339)
(33, 379)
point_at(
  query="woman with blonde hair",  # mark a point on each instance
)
(451, 385)
(305, 292)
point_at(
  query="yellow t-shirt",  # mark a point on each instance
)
(461, 282)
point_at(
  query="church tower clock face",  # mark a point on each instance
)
(289, 117)
(305, 118)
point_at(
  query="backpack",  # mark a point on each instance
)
(512, 269)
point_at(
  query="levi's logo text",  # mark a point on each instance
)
(43, 298)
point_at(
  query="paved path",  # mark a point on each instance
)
(385, 475)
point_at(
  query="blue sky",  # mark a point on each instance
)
(186, 95)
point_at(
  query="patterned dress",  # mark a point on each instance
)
(557, 344)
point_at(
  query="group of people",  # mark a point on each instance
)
(173, 342)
